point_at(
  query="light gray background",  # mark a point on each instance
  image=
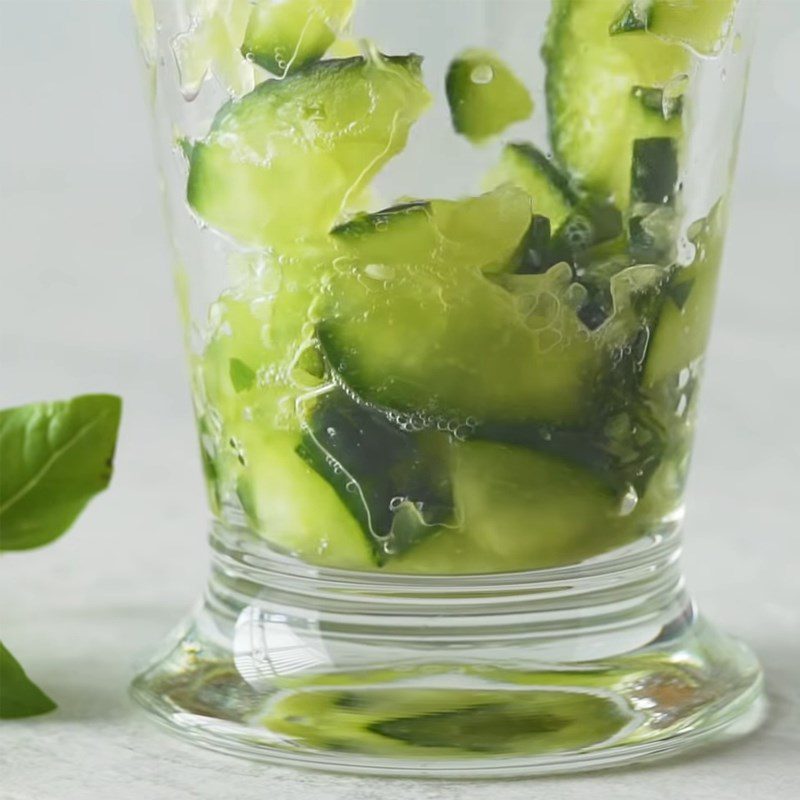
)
(86, 304)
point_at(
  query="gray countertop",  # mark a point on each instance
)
(85, 304)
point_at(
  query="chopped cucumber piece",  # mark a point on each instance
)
(654, 171)
(594, 115)
(484, 94)
(703, 25)
(482, 232)
(632, 17)
(394, 480)
(534, 254)
(284, 35)
(279, 165)
(523, 165)
(592, 224)
(520, 509)
(659, 101)
(450, 344)
(429, 722)
(294, 508)
(683, 327)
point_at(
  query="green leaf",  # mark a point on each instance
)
(19, 696)
(54, 457)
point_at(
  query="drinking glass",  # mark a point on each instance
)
(446, 271)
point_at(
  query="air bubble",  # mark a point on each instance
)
(396, 502)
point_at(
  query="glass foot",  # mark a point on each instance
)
(475, 676)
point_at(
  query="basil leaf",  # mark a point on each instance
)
(19, 696)
(54, 457)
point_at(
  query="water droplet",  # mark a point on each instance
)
(482, 74)
(629, 501)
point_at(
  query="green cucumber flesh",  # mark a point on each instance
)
(283, 36)
(485, 96)
(594, 116)
(280, 164)
(295, 509)
(703, 25)
(519, 509)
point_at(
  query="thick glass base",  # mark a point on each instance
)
(557, 670)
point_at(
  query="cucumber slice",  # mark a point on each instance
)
(284, 35)
(520, 509)
(293, 508)
(485, 96)
(524, 165)
(431, 722)
(279, 165)
(703, 25)
(395, 482)
(450, 344)
(681, 333)
(594, 117)
(482, 232)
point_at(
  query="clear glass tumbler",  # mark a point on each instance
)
(446, 270)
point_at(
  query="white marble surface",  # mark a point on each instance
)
(85, 305)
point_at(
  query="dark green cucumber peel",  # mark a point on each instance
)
(654, 171)
(396, 483)
(365, 223)
(557, 180)
(534, 255)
